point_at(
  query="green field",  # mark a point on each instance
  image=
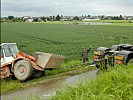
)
(65, 39)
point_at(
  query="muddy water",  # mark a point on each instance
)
(45, 90)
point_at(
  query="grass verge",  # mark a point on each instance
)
(114, 84)
(66, 69)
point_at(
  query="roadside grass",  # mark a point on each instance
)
(66, 69)
(114, 84)
(68, 66)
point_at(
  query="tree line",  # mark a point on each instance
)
(59, 18)
(35, 19)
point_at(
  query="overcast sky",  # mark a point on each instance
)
(66, 7)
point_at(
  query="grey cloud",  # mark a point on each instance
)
(66, 7)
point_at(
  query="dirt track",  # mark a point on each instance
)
(46, 89)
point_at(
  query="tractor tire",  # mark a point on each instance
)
(130, 61)
(23, 70)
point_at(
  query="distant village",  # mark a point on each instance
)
(63, 18)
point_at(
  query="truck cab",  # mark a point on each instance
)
(101, 55)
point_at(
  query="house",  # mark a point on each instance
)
(28, 18)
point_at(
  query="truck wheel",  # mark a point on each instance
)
(97, 66)
(130, 61)
(23, 70)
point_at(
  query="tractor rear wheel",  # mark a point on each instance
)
(23, 70)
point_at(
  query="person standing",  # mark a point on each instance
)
(85, 54)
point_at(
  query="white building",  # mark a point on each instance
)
(28, 18)
(86, 19)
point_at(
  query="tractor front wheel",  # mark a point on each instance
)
(23, 70)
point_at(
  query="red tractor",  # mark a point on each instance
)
(22, 65)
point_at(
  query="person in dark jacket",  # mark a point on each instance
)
(85, 54)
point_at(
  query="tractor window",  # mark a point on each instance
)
(10, 50)
(7, 51)
(14, 49)
(1, 53)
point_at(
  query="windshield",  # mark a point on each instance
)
(10, 50)
(114, 47)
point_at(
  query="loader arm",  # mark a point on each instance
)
(22, 54)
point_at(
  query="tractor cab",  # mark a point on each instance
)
(8, 52)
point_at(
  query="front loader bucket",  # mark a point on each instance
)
(48, 60)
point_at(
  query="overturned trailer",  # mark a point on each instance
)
(117, 54)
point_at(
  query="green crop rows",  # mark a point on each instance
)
(64, 39)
